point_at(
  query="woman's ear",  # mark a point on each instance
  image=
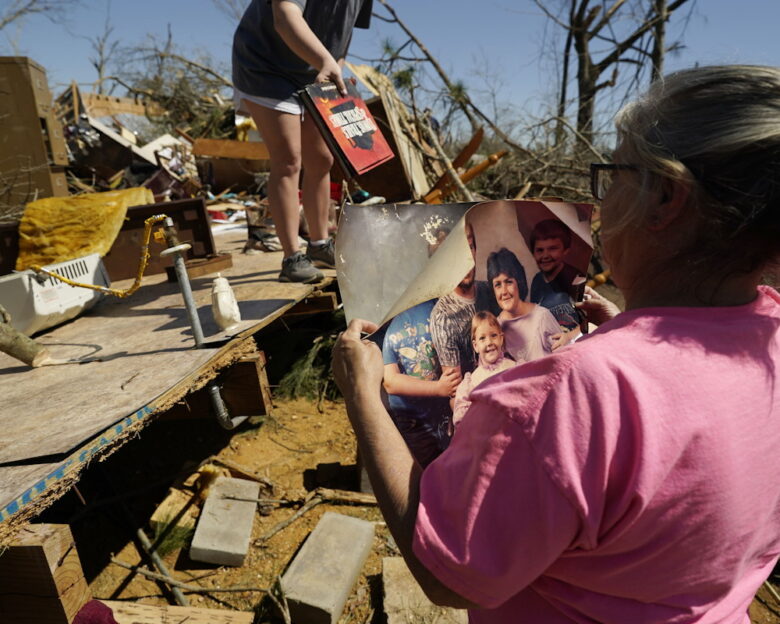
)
(674, 198)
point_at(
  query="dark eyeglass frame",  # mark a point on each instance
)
(595, 172)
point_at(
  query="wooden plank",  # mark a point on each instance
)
(99, 105)
(198, 267)
(244, 388)
(136, 613)
(225, 148)
(460, 160)
(80, 412)
(314, 304)
(177, 509)
(41, 579)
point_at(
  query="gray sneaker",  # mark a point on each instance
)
(322, 256)
(298, 268)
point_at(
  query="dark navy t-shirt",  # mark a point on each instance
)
(264, 66)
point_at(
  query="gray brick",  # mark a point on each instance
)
(225, 525)
(320, 578)
(406, 603)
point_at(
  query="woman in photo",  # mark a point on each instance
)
(528, 328)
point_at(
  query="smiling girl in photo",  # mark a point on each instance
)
(488, 342)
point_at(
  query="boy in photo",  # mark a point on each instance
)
(552, 287)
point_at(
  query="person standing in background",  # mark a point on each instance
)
(279, 47)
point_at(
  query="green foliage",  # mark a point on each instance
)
(310, 375)
(404, 79)
(169, 537)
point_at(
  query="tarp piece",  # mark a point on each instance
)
(56, 229)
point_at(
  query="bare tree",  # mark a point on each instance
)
(234, 9)
(17, 10)
(591, 21)
(104, 49)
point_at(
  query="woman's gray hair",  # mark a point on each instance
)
(718, 128)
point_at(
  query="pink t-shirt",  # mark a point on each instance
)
(630, 477)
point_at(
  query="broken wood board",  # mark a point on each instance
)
(226, 148)
(57, 419)
(198, 267)
(244, 388)
(99, 105)
(179, 509)
(398, 121)
(136, 613)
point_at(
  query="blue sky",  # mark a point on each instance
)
(500, 44)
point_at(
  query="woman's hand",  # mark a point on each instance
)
(562, 339)
(357, 363)
(597, 309)
(331, 72)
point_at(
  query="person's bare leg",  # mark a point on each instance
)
(281, 133)
(317, 162)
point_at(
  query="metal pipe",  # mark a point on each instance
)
(189, 301)
(220, 409)
(176, 250)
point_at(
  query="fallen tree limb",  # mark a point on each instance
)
(19, 346)
(318, 496)
(195, 589)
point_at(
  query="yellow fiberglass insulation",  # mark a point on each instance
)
(56, 229)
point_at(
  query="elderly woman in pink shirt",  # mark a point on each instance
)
(627, 477)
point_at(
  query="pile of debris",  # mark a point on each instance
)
(88, 145)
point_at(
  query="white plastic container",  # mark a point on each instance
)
(37, 302)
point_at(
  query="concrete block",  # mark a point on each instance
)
(406, 603)
(225, 525)
(320, 578)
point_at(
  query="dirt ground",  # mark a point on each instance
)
(287, 450)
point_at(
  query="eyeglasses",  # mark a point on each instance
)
(602, 175)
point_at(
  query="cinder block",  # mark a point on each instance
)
(406, 603)
(225, 525)
(320, 578)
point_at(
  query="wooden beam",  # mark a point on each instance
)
(41, 580)
(98, 105)
(314, 304)
(225, 148)
(435, 197)
(243, 386)
(461, 159)
(135, 613)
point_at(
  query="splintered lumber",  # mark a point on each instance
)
(320, 578)
(435, 197)
(405, 601)
(41, 580)
(135, 613)
(318, 302)
(461, 159)
(225, 524)
(178, 511)
(226, 148)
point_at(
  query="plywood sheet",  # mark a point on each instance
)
(138, 360)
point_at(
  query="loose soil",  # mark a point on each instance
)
(286, 449)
